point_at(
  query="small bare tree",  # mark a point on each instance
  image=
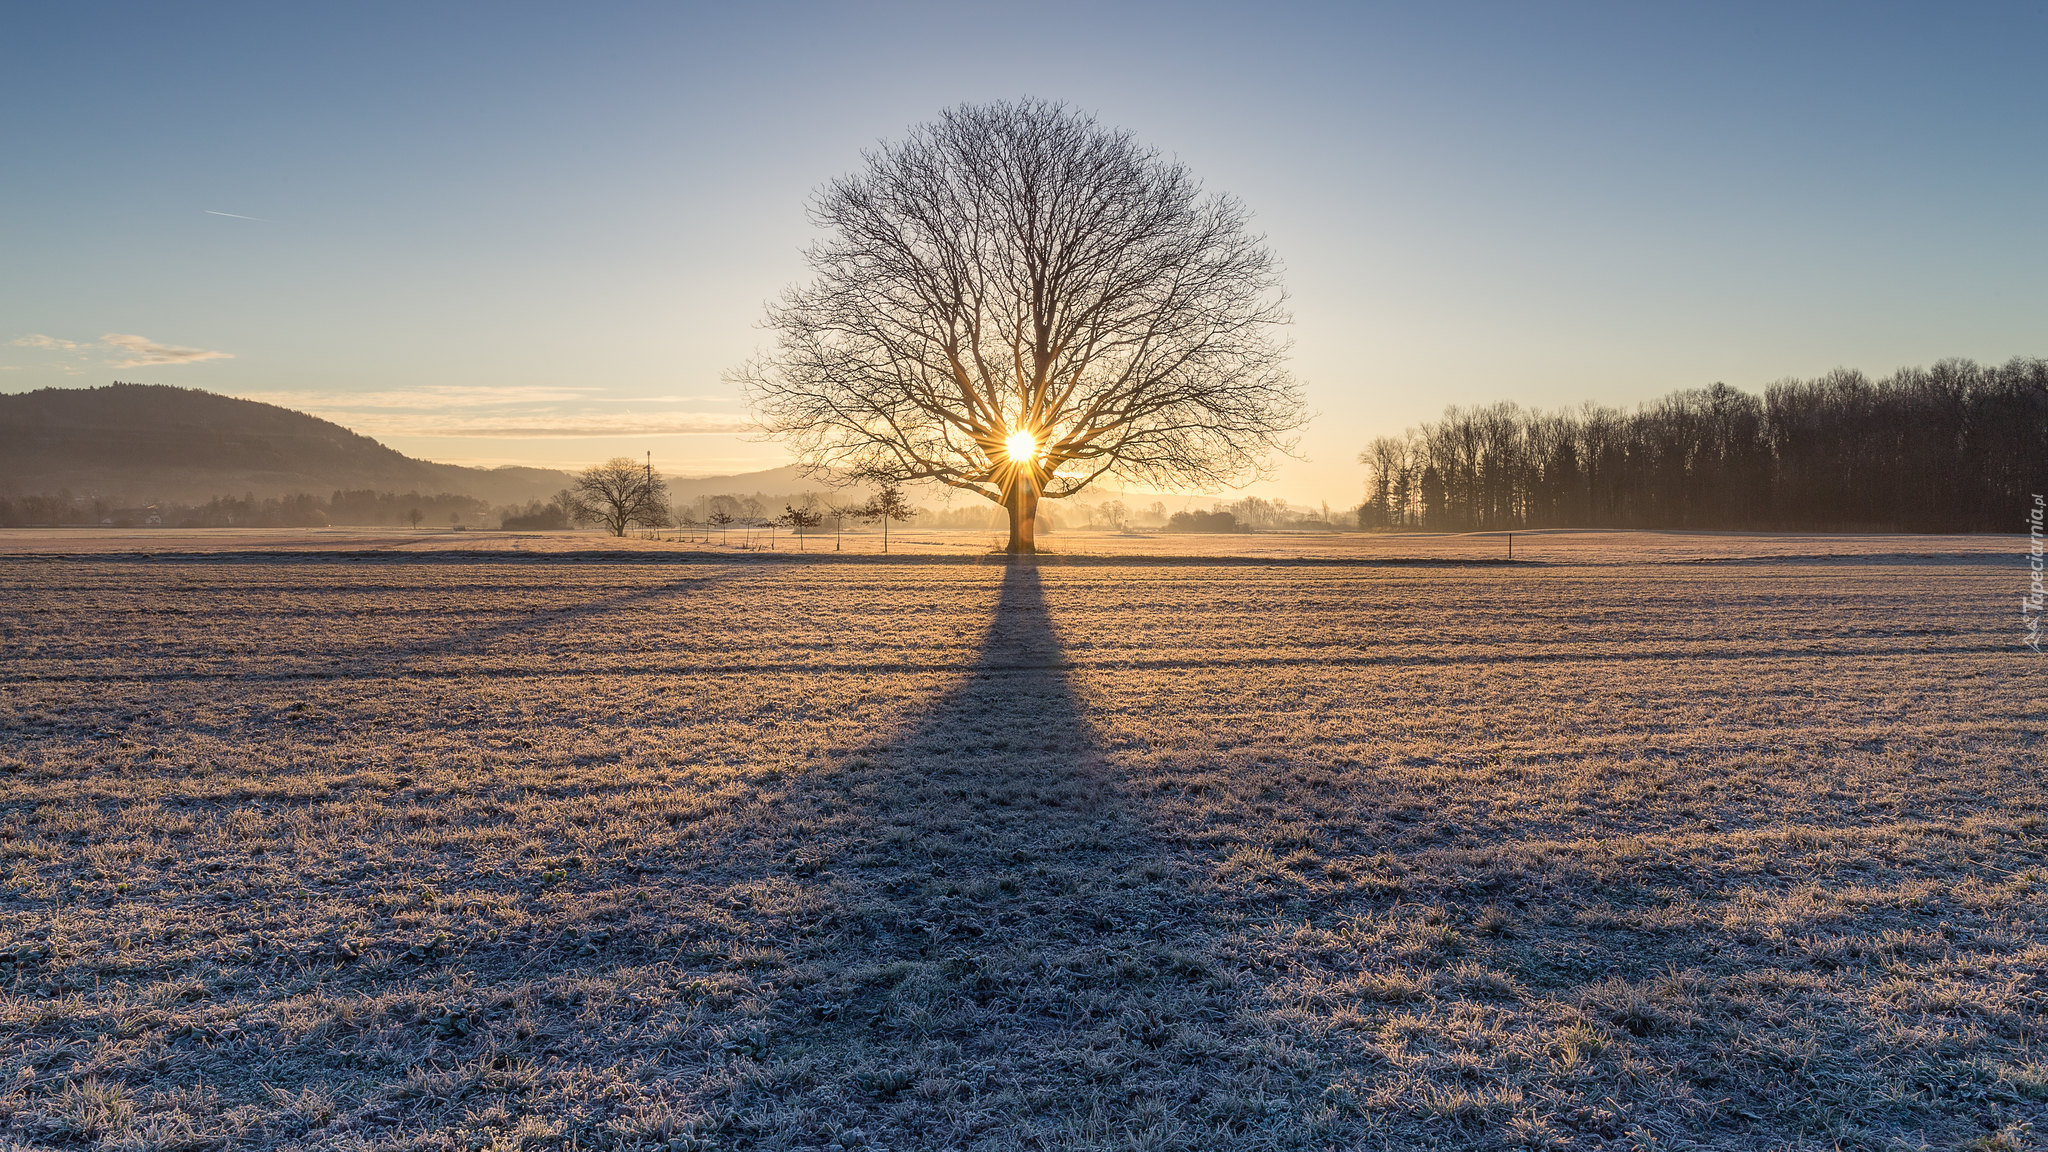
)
(719, 519)
(887, 505)
(800, 520)
(620, 493)
(840, 510)
(1017, 301)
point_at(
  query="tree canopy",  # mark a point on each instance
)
(1018, 301)
(1958, 447)
(620, 493)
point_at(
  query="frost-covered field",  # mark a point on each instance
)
(1550, 546)
(663, 851)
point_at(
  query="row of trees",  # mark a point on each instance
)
(367, 506)
(1253, 514)
(809, 513)
(624, 493)
(1952, 448)
(299, 510)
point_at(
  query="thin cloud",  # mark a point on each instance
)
(38, 340)
(541, 427)
(433, 398)
(237, 216)
(144, 352)
(663, 399)
(510, 412)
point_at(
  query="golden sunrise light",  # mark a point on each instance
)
(1021, 445)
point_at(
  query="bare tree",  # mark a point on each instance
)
(620, 493)
(800, 520)
(718, 519)
(571, 509)
(840, 510)
(887, 505)
(1018, 301)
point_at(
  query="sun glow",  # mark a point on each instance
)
(1021, 445)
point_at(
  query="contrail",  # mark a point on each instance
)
(237, 216)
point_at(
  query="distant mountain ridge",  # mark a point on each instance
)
(134, 444)
(147, 442)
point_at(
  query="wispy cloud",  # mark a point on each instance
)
(77, 353)
(52, 343)
(238, 216)
(512, 412)
(538, 427)
(431, 398)
(144, 352)
(135, 351)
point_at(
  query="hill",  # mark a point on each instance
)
(133, 444)
(773, 483)
(145, 442)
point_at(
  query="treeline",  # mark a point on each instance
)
(364, 506)
(541, 515)
(63, 509)
(1249, 514)
(1214, 520)
(1953, 448)
(1252, 514)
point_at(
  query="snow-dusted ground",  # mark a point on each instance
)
(524, 842)
(1549, 546)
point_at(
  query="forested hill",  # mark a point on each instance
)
(1958, 447)
(143, 442)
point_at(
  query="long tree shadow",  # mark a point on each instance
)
(1006, 964)
(959, 936)
(523, 621)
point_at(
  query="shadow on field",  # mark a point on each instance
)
(479, 640)
(895, 903)
(1007, 973)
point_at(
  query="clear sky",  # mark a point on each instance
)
(505, 233)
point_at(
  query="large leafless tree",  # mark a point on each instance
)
(1017, 301)
(620, 493)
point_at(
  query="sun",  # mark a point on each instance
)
(1022, 446)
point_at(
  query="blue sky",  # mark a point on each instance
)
(540, 234)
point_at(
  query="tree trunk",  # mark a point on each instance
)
(1023, 506)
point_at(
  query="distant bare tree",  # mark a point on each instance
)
(1018, 301)
(1386, 502)
(719, 519)
(887, 505)
(800, 520)
(840, 510)
(620, 493)
(565, 500)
